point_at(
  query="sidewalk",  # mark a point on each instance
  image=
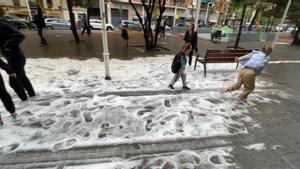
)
(78, 118)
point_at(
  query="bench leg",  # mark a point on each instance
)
(237, 65)
(204, 65)
(195, 64)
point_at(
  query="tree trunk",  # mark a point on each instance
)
(296, 40)
(72, 20)
(149, 36)
(254, 18)
(240, 28)
(268, 24)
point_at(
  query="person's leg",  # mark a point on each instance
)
(17, 62)
(191, 56)
(43, 38)
(83, 30)
(183, 77)
(175, 79)
(249, 84)
(239, 82)
(41, 35)
(27, 84)
(6, 99)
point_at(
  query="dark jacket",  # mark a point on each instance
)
(39, 21)
(6, 67)
(191, 39)
(10, 38)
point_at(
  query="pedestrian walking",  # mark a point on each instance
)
(84, 24)
(4, 95)
(178, 66)
(162, 29)
(125, 36)
(39, 21)
(10, 38)
(191, 37)
(253, 63)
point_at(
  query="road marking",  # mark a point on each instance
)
(283, 43)
(284, 61)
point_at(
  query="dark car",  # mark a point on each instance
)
(19, 23)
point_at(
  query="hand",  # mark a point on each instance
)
(236, 59)
(5, 47)
(13, 75)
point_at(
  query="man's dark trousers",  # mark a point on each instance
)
(17, 62)
(5, 97)
(43, 40)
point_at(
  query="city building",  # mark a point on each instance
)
(51, 8)
(118, 10)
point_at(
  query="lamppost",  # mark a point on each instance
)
(175, 13)
(206, 16)
(282, 20)
(104, 40)
(197, 14)
(29, 11)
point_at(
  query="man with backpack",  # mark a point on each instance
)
(178, 66)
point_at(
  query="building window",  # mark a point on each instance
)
(16, 2)
(49, 3)
(32, 3)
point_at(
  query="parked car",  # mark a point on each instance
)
(97, 24)
(18, 22)
(168, 28)
(132, 25)
(57, 23)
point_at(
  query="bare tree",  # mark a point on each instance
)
(150, 36)
(72, 20)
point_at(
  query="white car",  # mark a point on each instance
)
(168, 28)
(97, 24)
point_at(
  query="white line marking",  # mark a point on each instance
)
(284, 61)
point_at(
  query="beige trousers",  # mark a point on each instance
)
(246, 78)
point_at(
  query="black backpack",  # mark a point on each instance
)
(175, 67)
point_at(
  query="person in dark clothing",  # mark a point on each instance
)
(40, 25)
(162, 29)
(84, 24)
(5, 97)
(181, 72)
(191, 37)
(10, 38)
(125, 36)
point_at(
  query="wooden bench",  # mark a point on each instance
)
(220, 56)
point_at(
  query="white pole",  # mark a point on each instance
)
(29, 11)
(197, 14)
(282, 20)
(143, 19)
(175, 13)
(108, 12)
(206, 16)
(104, 40)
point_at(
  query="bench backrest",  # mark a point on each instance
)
(227, 55)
